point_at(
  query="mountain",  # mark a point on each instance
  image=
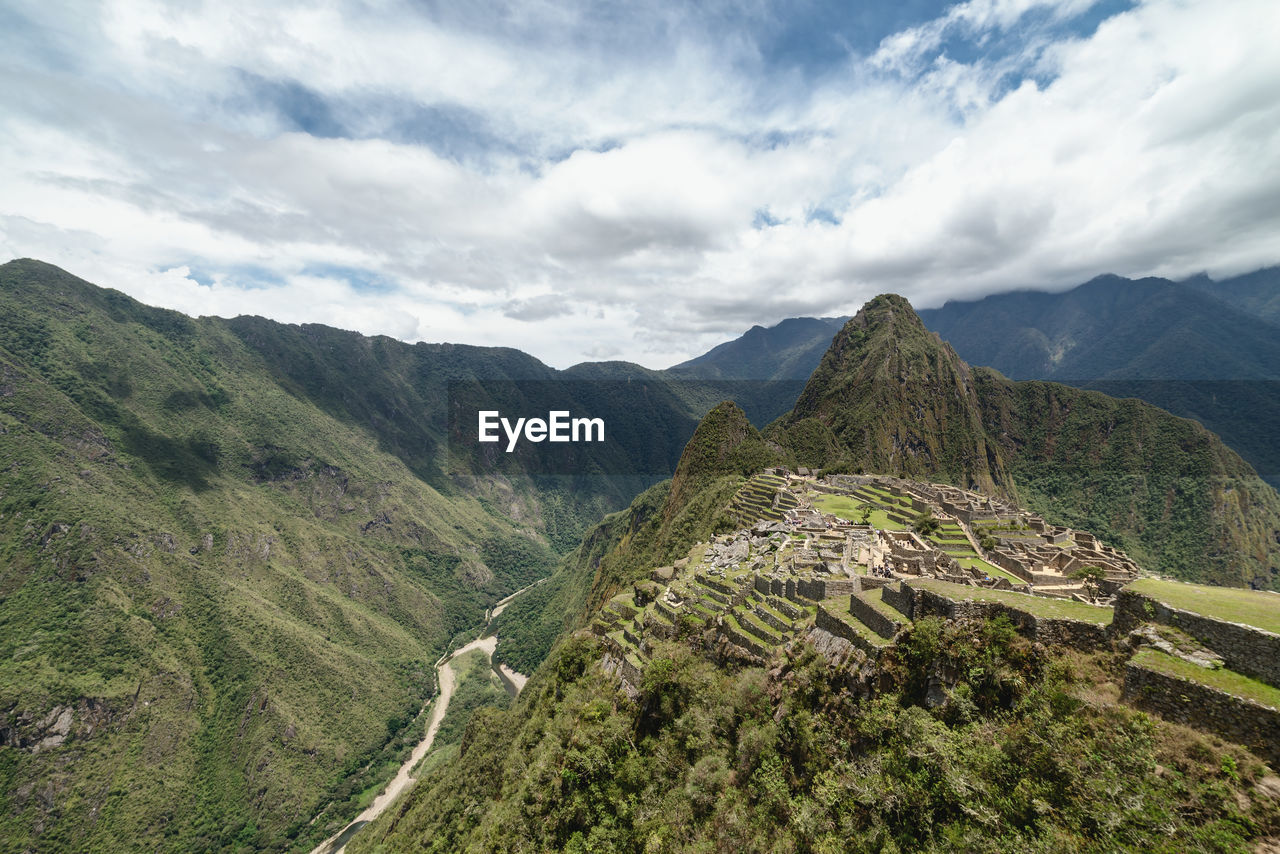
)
(231, 550)
(1111, 328)
(1201, 349)
(888, 396)
(1256, 294)
(1175, 345)
(788, 351)
(765, 369)
(891, 396)
(956, 735)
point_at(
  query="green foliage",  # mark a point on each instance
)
(890, 397)
(925, 524)
(976, 740)
(229, 573)
(477, 687)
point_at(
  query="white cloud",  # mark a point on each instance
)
(650, 199)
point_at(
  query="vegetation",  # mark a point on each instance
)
(1220, 678)
(229, 557)
(1223, 603)
(925, 524)
(477, 687)
(707, 758)
(1200, 349)
(890, 397)
(231, 550)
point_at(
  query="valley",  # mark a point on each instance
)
(233, 549)
(446, 680)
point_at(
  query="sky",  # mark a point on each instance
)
(631, 180)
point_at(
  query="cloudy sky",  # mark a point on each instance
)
(631, 180)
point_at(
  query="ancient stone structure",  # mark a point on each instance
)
(1244, 649)
(1197, 705)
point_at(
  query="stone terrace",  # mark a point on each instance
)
(851, 588)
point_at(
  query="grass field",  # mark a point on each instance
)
(1039, 605)
(1223, 680)
(851, 509)
(1251, 607)
(993, 571)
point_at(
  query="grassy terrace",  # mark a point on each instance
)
(994, 571)
(875, 598)
(1040, 606)
(740, 621)
(1251, 607)
(851, 509)
(838, 607)
(1223, 680)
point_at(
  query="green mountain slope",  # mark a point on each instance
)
(659, 526)
(890, 396)
(1198, 349)
(963, 736)
(220, 602)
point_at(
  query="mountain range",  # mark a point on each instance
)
(1203, 349)
(232, 548)
(959, 736)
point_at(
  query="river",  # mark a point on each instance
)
(447, 679)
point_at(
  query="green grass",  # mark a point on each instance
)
(851, 509)
(1251, 607)
(1041, 606)
(1222, 679)
(989, 569)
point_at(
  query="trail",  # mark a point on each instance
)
(502, 603)
(447, 679)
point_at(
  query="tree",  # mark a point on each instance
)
(925, 524)
(1091, 577)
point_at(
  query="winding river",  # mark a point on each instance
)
(447, 679)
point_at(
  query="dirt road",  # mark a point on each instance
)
(447, 679)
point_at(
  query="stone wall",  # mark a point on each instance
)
(872, 618)
(818, 589)
(748, 642)
(1245, 649)
(782, 606)
(901, 598)
(833, 624)
(1075, 634)
(771, 620)
(1202, 707)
